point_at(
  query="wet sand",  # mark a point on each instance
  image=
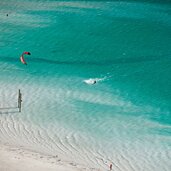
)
(18, 159)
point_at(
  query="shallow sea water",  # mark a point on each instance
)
(125, 118)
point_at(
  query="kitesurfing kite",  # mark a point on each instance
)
(22, 57)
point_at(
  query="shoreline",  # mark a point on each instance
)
(19, 159)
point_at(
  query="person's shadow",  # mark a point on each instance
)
(9, 110)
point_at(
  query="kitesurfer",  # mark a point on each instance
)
(94, 82)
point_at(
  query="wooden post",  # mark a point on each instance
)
(19, 100)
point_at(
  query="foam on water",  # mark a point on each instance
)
(124, 118)
(94, 80)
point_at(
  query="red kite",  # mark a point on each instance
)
(22, 57)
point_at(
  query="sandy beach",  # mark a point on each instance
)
(18, 159)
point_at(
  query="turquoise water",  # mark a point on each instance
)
(124, 45)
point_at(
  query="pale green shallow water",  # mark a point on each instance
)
(125, 45)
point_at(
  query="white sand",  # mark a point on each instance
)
(17, 159)
(21, 136)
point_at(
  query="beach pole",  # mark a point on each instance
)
(19, 100)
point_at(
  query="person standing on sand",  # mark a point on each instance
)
(110, 166)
